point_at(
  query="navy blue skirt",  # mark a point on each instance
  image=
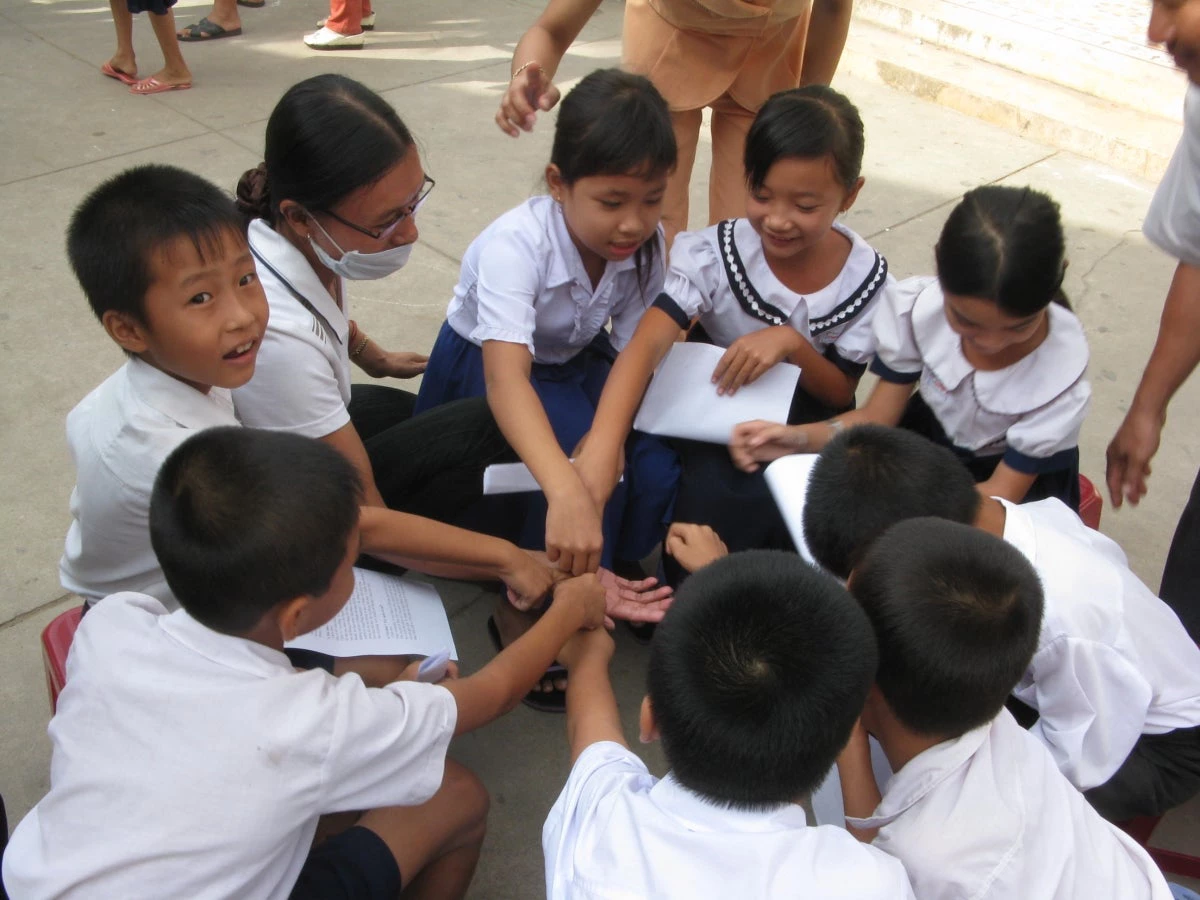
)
(639, 510)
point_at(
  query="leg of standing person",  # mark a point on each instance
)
(123, 61)
(675, 202)
(222, 21)
(1181, 576)
(343, 30)
(727, 182)
(174, 75)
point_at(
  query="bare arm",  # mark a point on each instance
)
(1008, 483)
(827, 30)
(573, 536)
(1176, 354)
(860, 793)
(536, 58)
(592, 712)
(347, 442)
(750, 356)
(499, 686)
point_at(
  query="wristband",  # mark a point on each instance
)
(522, 68)
(362, 345)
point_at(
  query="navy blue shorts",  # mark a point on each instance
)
(353, 865)
(309, 659)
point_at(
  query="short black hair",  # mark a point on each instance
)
(956, 612)
(868, 478)
(757, 675)
(1004, 244)
(806, 123)
(117, 229)
(243, 519)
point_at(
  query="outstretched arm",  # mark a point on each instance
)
(592, 713)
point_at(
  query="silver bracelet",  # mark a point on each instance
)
(523, 67)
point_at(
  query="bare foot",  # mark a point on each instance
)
(168, 75)
(124, 63)
(512, 623)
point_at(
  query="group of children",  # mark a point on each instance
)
(194, 757)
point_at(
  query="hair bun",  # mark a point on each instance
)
(253, 193)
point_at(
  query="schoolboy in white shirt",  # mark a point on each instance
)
(1115, 682)
(162, 256)
(977, 807)
(191, 759)
(756, 677)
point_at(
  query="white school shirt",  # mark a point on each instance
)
(189, 763)
(987, 815)
(119, 436)
(301, 380)
(618, 832)
(523, 282)
(1173, 220)
(1029, 411)
(1113, 661)
(721, 275)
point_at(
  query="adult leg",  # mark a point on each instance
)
(124, 59)
(224, 13)
(727, 181)
(374, 408)
(686, 125)
(174, 70)
(345, 16)
(1181, 576)
(1162, 772)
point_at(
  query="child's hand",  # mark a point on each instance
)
(410, 671)
(528, 92)
(634, 601)
(751, 355)
(528, 579)
(588, 594)
(596, 643)
(573, 534)
(694, 546)
(757, 442)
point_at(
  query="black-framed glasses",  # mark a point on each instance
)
(386, 231)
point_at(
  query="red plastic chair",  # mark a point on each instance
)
(1091, 504)
(56, 643)
(1171, 862)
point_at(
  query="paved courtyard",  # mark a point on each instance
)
(442, 64)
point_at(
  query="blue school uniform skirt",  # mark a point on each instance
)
(637, 514)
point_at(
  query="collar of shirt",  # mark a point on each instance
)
(290, 263)
(179, 402)
(225, 650)
(1056, 364)
(698, 814)
(565, 264)
(922, 774)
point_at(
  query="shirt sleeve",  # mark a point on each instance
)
(293, 389)
(508, 282)
(857, 345)
(389, 744)
(695, 276)
(1092, 703)
(602, 769)
(644, 289)
(1173, 220)
(1047, 438)
(897, 357)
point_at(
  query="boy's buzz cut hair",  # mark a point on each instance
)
(756, 677)
(117, 229)
(870, 477)
(957, 612)
(243, 519)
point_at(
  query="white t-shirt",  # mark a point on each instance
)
(1173, 220)
(523, 282)
(301, 381)
(618, 832)
(721, 275)
(119, 436)
(1113, 661)
(1029, 411)
(987, 815)
(189, 763)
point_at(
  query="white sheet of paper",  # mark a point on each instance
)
(387, 615)
(787, 477)
(511, 478)
(683, 402)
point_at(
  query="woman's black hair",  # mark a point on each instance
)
(327, 137)
(806, 123)
(1006, 245)
(615, 123)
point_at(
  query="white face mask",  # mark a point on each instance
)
(358, 266)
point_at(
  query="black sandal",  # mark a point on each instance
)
(554, 701)
(206, 30)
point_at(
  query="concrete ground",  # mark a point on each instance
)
(442, 63)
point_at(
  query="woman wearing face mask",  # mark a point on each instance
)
(336, 199)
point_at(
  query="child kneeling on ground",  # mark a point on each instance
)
(191, 759)
(757, 675)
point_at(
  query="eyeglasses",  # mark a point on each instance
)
(386, 231)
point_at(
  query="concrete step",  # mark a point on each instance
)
(1134, 140)
(1071, 45)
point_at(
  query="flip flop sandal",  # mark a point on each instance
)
(152, 85)
(252, 5)
(112, 71)
(554, 701)
(206, 30)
